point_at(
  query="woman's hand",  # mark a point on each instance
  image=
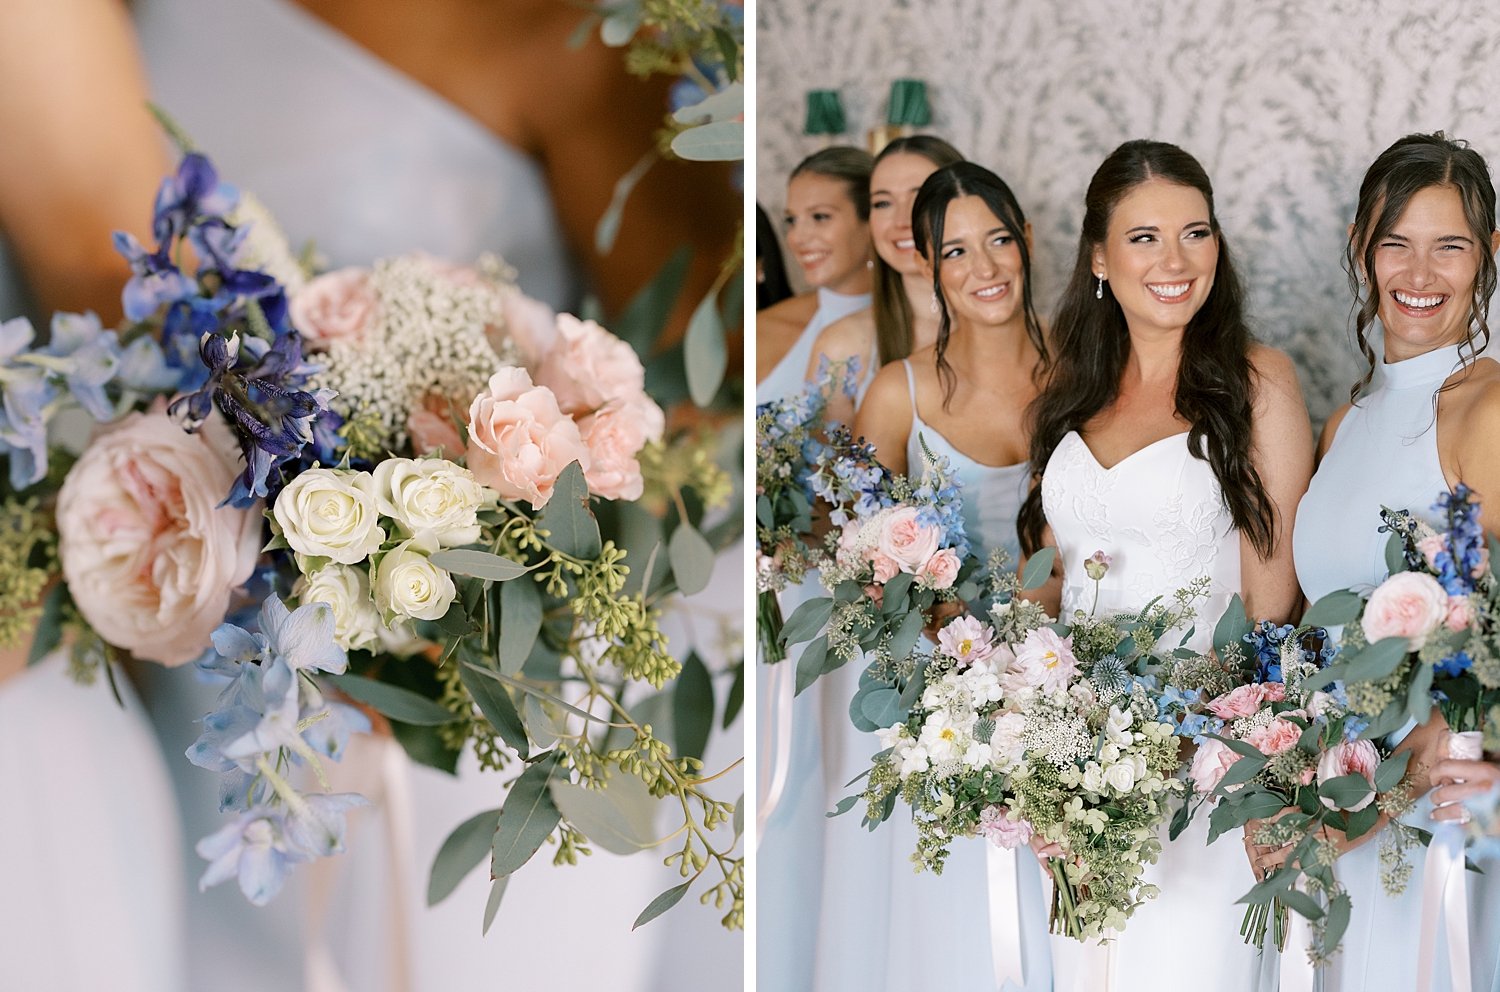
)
(1044, 850)
(1456, 780)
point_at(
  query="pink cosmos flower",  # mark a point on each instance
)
(967, 639)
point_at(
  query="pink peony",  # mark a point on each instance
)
(589, 367)
(1246, 700)
(431, 428)
(996, 825)
(1212, 760)
(519, 440)
(1349, 758)
(1460, 614)
(941, 569)
(338, 306)
(1044, 661)
(1275, 737)
(530, 324)
(615, 436)
(150, 554)
(967, 639)
(906, 540)
(1408, 604)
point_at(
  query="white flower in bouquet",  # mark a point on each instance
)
(346, 590)
(1044, 661)
(1006, 743)
(407, 584)
(329, 513)
(431, 496)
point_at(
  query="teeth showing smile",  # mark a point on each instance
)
(1169, 291)
(991, 292)
(811, 258)
(906, 244)
(1418, 302)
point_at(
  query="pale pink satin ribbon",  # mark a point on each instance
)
(1005, 917)
(776, 749)
(1445, 890)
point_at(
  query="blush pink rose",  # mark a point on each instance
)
(431, 427)
(589, 367)
(876, 593)
(886, 567)
(150, 555)
(1246, 700)
(615, 436)
(1212, 760)
(1408, 604)
(941, 569)
(1275, 737)
(1460, 613)
(1349, 758)
(530, 324)
(999, 829)
(906, 540)
(519, 440)
(337, 306)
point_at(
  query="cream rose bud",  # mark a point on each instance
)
(520, 440)
(330, 513)
(431, 496)
(1408, 604)
(346, 590)
(408, 584)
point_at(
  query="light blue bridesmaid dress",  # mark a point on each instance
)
(1385, 453)
(347, 151)
(790, 848)
(884, 926)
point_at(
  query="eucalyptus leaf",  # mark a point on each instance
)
(1378, 660)
(1258, 806)
(1391, 770)
(895, 592)
(1268, 889)
(621, 819)
(857, 716)
(692, 707)
(844, 806)
(527, 819)
(661, 904)
(1239, 773)
(692, 559)
(1395, 554)
(520, 623)
(811, 662)
(538, 723)
(1302, 904)
(461, 853)
(726, 103)
(807, 621)
(914, 686)
(608, 228)
(739, 816)
(882, 707)
(1338, 920)
(1345, 791)
(1232, 626)
(1361, 822)
(621, 22)
(729, 51)
(1248, 751)
(704, 352)
(720, 141)
(1038, 568)
(906, 635)
(391, 701)
(492, 904)
(1335, 609)
(49, 625)
(568, 518)
(498, 708)
(1419, 697)
(645, 317)
(479, 564)
(735, 700)
(490, 673)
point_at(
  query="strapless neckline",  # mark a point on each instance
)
(1117, 465)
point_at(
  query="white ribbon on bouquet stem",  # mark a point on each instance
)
(1444, 890)
(1005, 917)
(776, 754)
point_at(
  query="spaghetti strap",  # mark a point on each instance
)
(911, 386)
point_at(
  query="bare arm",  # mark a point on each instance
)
(851, 338)
(884, 418)
(1282, 452)
(1475, 459)
(81, 155)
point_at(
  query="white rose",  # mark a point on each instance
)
(1093, 778)
(327, 513)
(408, 584)
(346, 590)
(1120, 776)
(1006, 742)
(431, 496)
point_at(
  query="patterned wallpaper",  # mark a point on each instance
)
(1284, 103)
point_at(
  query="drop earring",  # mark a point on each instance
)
(933, 304)
(1099, 290)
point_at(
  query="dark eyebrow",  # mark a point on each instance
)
(1002, 229)
(1453, 238)
(1144, 228)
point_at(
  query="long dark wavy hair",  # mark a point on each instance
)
(1092, 343)
(929, 214)
(1412, 164)
(892, 310)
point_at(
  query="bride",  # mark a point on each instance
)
(1178, 446)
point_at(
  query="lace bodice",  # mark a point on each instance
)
(1159, 513)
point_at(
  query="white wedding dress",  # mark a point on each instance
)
(1160, 514)
(347, 151)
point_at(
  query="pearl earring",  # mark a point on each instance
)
(1099, 290)
(933, 304)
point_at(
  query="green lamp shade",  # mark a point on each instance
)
(908, 105)
(825, 114)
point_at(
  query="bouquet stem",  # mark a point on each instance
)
(768, 623)
(1064, 919)
(1267, 916)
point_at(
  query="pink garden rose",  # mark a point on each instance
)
(996, 826)
(530, 324)
(1349, 758)
(967, 639)
(150, 554)
(1460, 613)
(905, 540)
(1408, 604)
(1275, 737)
(1213, 759)
(519, 440)
(1044, 661)
(941, 569)
(589, 367)
(432, 429)
(1246, 700)
(615, 436)
(886, 568)
(337, 306)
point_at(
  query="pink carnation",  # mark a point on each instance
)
(996, 825)
(519, 440)
(589, 367)
(150, 551)
(941, 569)
(1246, 700)
(615, 436)
(967, 639)
(905, 540)
(531, 326)
(431, 427)
(1408, 604)
(1350, 758)
(1275, 737)
(1212, 760)
(337, 306)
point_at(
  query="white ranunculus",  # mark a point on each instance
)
(431, 496)
(1120, 776)
(346, 590)
(408, 584)
(329, 513)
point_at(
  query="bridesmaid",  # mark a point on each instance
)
(903, 317)
(965, 395)
(1421, 261)
(828, 234)
(1178, 445)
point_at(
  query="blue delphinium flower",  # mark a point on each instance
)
(1455, 664)
(192, 195)
(1460, 563)
(87, 357)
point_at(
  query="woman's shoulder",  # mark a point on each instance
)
(848, 337)
(794, 311)
(1274, 383)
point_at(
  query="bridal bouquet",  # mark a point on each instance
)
(789, 441)
(380, 485)
(901, 551)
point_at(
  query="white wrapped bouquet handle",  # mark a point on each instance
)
(1444, 890)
